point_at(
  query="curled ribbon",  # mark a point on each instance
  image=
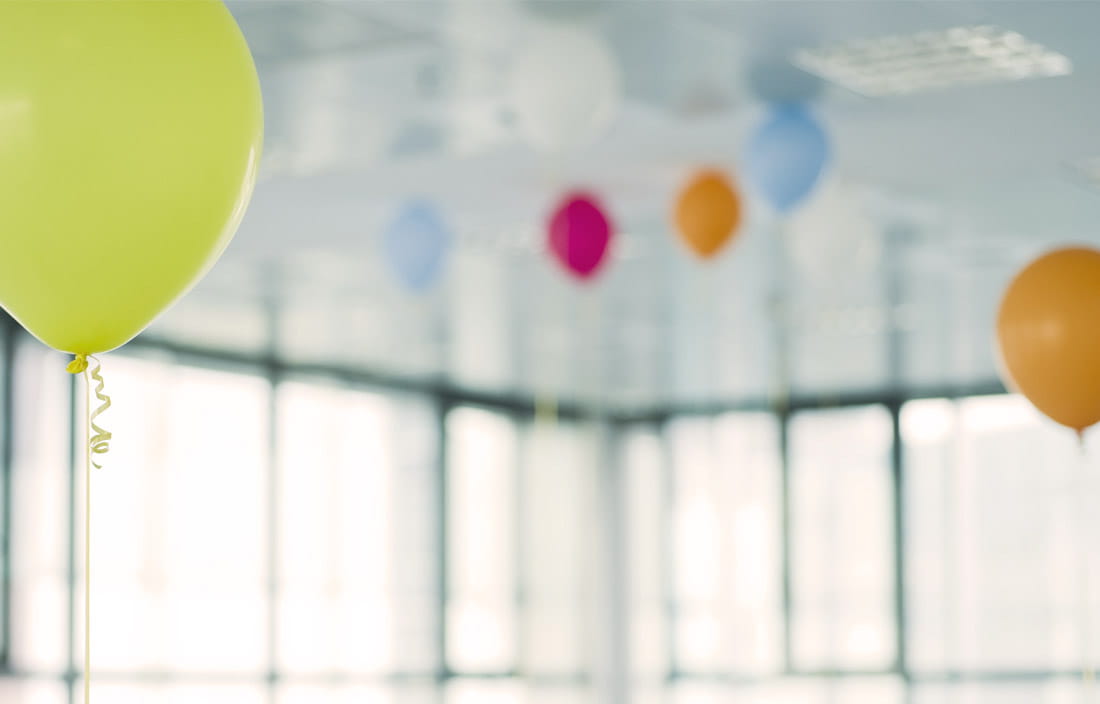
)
(100, 441)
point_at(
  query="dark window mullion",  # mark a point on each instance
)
(444, 674)
(273, 510)
(784, 417)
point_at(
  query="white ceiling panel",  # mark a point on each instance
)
(373, 102)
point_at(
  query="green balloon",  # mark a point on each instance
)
(130, 134)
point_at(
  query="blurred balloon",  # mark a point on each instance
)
(579, 234)
(416, 244)
(565, 88)
(708, 213)
(833, 240)
(130, 134)
(1048, 332)
(786, 156)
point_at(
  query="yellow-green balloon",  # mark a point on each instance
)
(130, 133)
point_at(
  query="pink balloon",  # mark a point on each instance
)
(579, 234)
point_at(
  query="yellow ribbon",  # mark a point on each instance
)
(99, 443)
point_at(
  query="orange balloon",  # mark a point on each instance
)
(1048, 332)
(708, 213)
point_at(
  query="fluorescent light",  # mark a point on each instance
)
(900, 65)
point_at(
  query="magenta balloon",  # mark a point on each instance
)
(579, 234)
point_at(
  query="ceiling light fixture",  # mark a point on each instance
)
(902, 65)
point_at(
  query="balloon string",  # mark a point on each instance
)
(97, 442)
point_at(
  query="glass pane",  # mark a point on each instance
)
(481, 495)
(332, 694)
(357, 573)
(996, 539)
(472, 691)
(30, 691)
(558, 695)
(649, 695)
(928, 434)
(557, 496)
(179, 516)
(180, 693)
(647, 554)
(842, 539)
(689, 692)
(40, 517)
(864, 690)
(1054, 691)
(726, 547)
(854, 690)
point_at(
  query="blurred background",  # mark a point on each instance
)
(785, 474)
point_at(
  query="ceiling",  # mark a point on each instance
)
(888, 279)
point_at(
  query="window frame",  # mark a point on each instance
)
(522, 410)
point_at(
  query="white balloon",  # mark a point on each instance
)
(833, 240)
(565, 87)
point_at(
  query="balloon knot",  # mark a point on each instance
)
(99, 440)
(78, 365)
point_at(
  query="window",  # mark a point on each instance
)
(646, 489)
(41, 520)
(842, 613)
(482, 633)
(520, 556)
(27, 690)
(1053, 691)
(995, 537)
(178, 525)
(266, 537)
(741, 529)
(357, 570)
(212, 571)
(726, 544)
(802, 690)
(558, 577)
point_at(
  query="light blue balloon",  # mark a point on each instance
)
(416, 244)
(785, 156)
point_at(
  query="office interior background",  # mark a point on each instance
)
(790, 473)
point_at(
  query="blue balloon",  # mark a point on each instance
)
(416, 244)
(786, 156)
